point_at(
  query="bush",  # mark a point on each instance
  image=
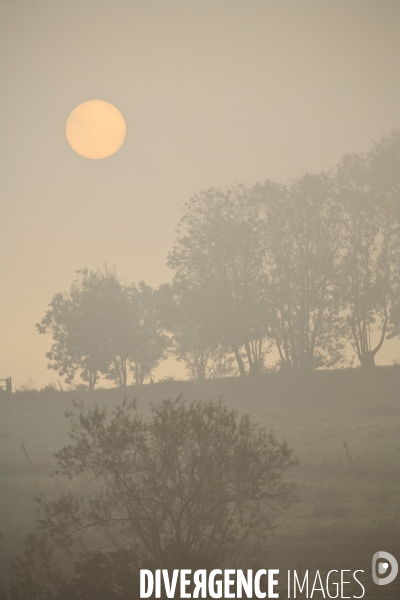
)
(193, 486)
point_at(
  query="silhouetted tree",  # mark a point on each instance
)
(194, 341)
(83, 324)
(102, 576)
(104, 327)
(193, 485)
(148, 342)
(35, 573)
(370, 187)
(217, 252)
(97, 575)
(301, 241)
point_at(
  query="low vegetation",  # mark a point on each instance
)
(346, 510)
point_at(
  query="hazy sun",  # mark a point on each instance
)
(95, 129)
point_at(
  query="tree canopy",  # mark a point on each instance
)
(195, 483)
(309, 269)
(104, 327)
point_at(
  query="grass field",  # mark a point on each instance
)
(343, 516)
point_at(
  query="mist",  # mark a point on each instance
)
(211, 95)
(201, 318)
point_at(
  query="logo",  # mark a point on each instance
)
(384, 563)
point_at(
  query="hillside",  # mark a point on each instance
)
(341, 512)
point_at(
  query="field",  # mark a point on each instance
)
(344, 514)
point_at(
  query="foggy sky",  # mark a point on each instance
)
(212, 92)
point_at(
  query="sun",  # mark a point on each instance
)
(95, 129)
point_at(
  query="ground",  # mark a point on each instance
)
(344, 515)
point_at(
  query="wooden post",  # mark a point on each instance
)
(351, 463)
(26, 455)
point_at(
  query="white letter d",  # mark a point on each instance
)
(144, 573)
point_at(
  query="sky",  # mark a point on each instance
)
(212, 92)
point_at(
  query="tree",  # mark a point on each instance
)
(217, 253)
(384, 165)
(83, 324)
(104, 327)
(203, 358)
(194, 341)
(37, 574)
(148, 342)
(102, 575)
(370, 187)
(195, 485)
(302, 231)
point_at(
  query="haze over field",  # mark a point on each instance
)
(212, 93)
(200, 210)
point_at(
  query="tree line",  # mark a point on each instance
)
(308, 268)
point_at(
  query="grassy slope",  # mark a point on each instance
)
(341, 518)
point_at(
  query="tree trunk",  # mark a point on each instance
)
(240, 363)
(252, 369)
(201, 368)
(124, 372)
(92, 380)
(367, 360)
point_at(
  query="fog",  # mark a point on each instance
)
(200, 324)
(212, 93)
